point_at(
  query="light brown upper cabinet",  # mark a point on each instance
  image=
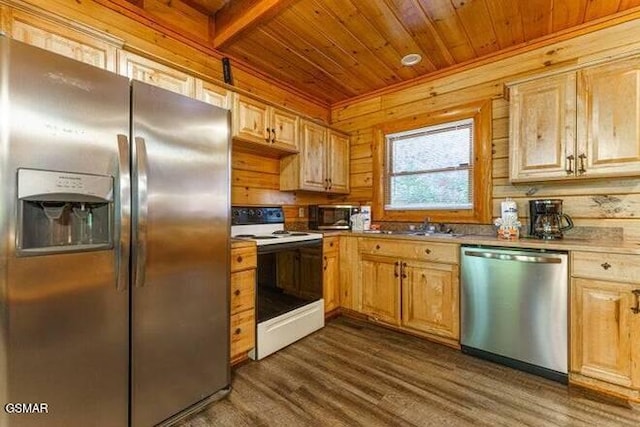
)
(94, 49)
(213, 94)
(582, 124)
(323, 162)
(145, 70)
(261, 127)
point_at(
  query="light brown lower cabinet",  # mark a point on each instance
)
(331, 273)
(242, 300)
(605, 323)
(411, 286)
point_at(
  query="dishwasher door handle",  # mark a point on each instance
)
(511, 257)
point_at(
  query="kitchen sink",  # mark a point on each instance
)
(415, 233)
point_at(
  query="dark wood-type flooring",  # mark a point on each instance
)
(355, 374)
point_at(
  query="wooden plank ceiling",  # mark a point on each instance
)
(334, 50)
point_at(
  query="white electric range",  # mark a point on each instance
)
(289, 301)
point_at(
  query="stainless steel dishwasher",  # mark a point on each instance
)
(514, 308)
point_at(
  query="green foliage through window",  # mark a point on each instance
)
(431, 167)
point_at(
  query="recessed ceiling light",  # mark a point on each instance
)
(411, 59)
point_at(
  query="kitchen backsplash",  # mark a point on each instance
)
(581, 233)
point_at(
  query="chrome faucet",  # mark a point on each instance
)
(427, 227)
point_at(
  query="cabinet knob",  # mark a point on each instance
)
(238, 331)
(237, 292)
(605, 265)
(239, 259)
(427, 251)
(331, 244)
(377, 247)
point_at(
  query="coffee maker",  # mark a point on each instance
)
(546, 219)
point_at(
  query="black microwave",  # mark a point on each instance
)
(331, 217)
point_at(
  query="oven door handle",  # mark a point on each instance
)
(278, 247)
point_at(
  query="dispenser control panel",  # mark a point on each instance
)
(42, 184)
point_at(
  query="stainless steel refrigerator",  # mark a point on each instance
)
(114, 220)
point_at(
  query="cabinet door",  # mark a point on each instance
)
(331, 279)
(542, 127)
(338, 162)
(313, 160)
(213, 94)
(148, 71)
(430, 293)
(381, 288)
(331, 273)
(63, 41)
(250, 120)
(350, 277)
(604, 332)
(284, 128)
(609, 119)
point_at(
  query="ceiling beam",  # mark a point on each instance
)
(239, 16)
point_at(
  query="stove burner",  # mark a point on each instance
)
(297, 233)
(249, 236)
(280, 232)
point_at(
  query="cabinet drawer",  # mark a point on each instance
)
(243, 285)
(428, 251)
(330, 244)
(243, 258)
(243, 332)
(603, 266)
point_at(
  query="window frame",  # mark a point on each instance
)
(481, 211)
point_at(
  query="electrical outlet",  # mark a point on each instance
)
(300, 212)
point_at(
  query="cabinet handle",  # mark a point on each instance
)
(239, 259)
(583, 158)
(326, 184)
(324, 267)
(237, 292)
(395, 269)
(238, 331)
(330, 183)
(273, 137)
(570, 160)
(268, 137)
(402, 270)
(427, 251)
(636, 308)
(605, 265)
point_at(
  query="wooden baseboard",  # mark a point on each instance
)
(449, 342)
(612, 393)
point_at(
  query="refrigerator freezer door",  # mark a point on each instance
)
(180, 308)
(64, 325)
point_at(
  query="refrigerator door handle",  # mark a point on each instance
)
(140, 233)
(123, 228)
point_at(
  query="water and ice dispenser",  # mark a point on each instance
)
(63, 212)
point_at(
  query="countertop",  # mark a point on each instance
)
(614, 246)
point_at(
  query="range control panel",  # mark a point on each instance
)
(245, 215)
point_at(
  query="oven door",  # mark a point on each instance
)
(289, 276)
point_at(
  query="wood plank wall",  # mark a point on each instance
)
(255, 180)
(605, 203)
